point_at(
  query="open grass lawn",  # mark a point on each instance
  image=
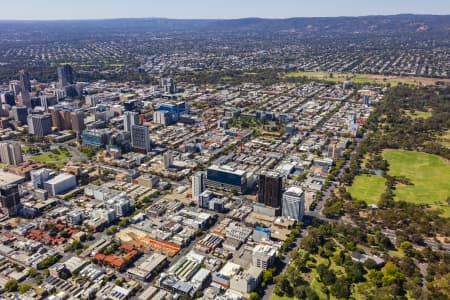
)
(429, 173)
(365, 78)
(418, 114)
(333, 77)
(56, 156)
(367, 188)
(391, 80)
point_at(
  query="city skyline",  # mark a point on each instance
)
(202, 9)
(225, 150)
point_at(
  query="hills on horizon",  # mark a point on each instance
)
(222, 19)
(408, 23)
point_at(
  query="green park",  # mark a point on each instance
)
(57, 157)
(429, 177)
(340, 77)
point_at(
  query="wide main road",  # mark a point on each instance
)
(317, 211)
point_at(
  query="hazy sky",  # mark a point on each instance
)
(223, 9)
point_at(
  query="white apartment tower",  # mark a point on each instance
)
(294, 203)
(198, 185)
(168, 159)
(130, 118)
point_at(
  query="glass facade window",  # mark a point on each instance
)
(224, 177)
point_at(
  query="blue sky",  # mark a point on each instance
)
(208, 9)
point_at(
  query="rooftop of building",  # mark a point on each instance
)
(230, 269)
(271, 173)
(295, 190)
(60, 177)
(226, 168)
(264, 249)
(9, 178)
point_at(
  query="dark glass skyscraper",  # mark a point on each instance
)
(140, 138)
(65, 75)
(20, 114)
(270, 188)
(25, 84)
(10, 199)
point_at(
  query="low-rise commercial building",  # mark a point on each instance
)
(60, 184)
(246, 281)
(263, 256)
(227, 179)
(149, 267)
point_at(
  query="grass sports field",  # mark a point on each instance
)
(430, 175)
(339, 77)
(367, 188)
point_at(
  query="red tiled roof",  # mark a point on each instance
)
(110, 259)
(126, 247)
(130, 255)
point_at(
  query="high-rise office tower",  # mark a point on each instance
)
(56, 118)
(61, 117)
(140, 138)
(25, 87)
(8, 98)
(270, 188)
(40, 125)
(10, 199)
(294, 203)
(168, 85)
(48, 101)
(198, 185)
(14, 86)
(168, 159)
(25, 99)
(65, 75)
(204, 199)
(25, 83)
(78, 121)
(40, 176)
(11, 153)
(66, 118)
(130, 118)
(20, 114)
(4, 113)
(162, 117)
